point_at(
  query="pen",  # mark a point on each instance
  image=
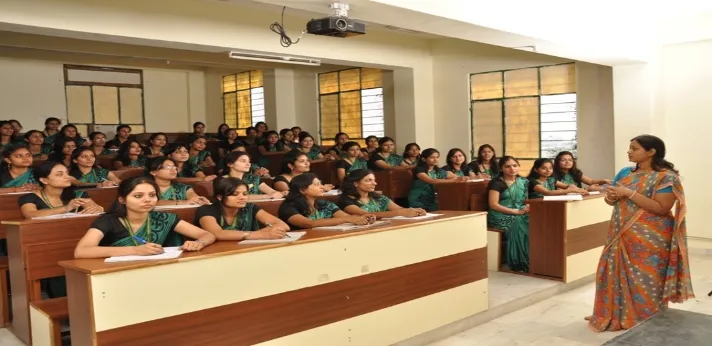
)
(141, 241)
(286, 235)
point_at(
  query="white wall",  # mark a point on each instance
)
(596, 144)
(31, 91)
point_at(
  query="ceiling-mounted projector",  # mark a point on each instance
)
(337, 25)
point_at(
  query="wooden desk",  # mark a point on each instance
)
(275, 162)
(106, 161)
(463, 196)
(394, 184)
(371, 287)
(325, 170)
(35, 246)
(566, 237)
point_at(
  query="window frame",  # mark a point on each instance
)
(362, 139)
(503, 110)
(242, 131)
(118, 86)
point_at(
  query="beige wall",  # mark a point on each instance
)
(596, 145)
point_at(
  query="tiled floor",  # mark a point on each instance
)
(558, 321)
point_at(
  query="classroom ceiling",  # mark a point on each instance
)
(608, 32)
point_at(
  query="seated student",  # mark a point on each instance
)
(385, 158)
(130, 156)
(351, 161)
(35, 143)
(287, 139)
(98, 143)
(199, 129)
(371, 146)
(508, 212)
(302, 208)
(16, 170)
(251, 136)
(296, 130)
(133, 228)
(565, 171)
(359, 197)
(84, 169)
(294, 164)
(336, 152)
(456, 164)
(51, 130)
(163, 171)
(6, 134)
(227, 143)
(71, 131)
(199, 156)
(485, 165)
(425, 175)
(411, 154)
(62, 152)
(261, 128)
(186, 172)
(156, 145)
(238, 164)
(230, 212)
(306, 146)
(254, 168)
(55, 195)
(542, 183)
(271, 144)
(123, 133)
(221, 135)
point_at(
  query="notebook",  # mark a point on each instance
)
(573, 197)
(414, 218)
(168, 253)
(350, 226)
(332, 193)
(475, 180)
(293, 236)
(64, 216)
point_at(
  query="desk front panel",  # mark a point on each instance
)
(587, 224)
(369, 288)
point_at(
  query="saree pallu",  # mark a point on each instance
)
(644, 264)
(161, 231)
(21, 180)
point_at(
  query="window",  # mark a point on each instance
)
(526, 113)
(351, 101)
(106, 96)
(243, 100)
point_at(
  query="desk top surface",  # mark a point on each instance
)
(585, 198)
(224, 248)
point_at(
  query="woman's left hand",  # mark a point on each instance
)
(192, 246)
(327, 187)
(619, 191)
(210, 177)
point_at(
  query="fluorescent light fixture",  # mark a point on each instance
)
(275, 58)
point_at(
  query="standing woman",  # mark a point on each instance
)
(63, 149)
(231, 217)
(352, 160)
(485, 164)
(565, 171)
(70, 131)
(6, 134)
(51, 130)
(238, 164)
(509, 213)
(359, 197)
(16, 172)
(411, 154)
(133, 228)
(98, 143)
(306, 146)
(385, 158)
(303, 208)
(123, 132)
(130, 156)
(35, 143)
(163, 171)
(156, 145)
(455, 163)
(84, 169)
(425, 175)
(644, 264)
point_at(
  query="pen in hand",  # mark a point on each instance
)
(139, 240)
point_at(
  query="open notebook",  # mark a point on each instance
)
(64, 216)
(292, 237)
(350, 226)
(168, 253)
(414, 218)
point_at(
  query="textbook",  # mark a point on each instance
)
(168, 253)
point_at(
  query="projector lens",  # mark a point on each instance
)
(341, 24)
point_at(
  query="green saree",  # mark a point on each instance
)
(243, 221)
(95, 176)
(22, 179)
(422, 194)
(549, 184)
(376, 205)
(156, 229)
(177, 192)
(516, 227)
(568, 179)
(199, 158)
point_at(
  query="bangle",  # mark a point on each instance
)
(631, 196)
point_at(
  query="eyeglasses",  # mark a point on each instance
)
(169, 168)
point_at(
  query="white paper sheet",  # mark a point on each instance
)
(168, 253)
(180, 206)
(64, 216)
(266, 200)
(350, 226)
(475, 180)
(594, 192)
(575, 197)
(414, 218)
(293, 236)
(332, 193)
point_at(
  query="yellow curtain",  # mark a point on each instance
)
(350, 106)
(522, 127)
(329, 112)
(244, 109)
(230, 107)
(487, 127)
(524, 82)
(559, 79)
(229, 83)
(485, 86)
(371, 78)
(349, 80)
(329, 83)
(256, 79)
(243, 80)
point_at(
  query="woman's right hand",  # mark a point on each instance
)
(75, 203)
(269, 233)
(210, 177)
(411, 212)
(359, 220)
(148, 249)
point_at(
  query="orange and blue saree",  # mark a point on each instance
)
(644, 264)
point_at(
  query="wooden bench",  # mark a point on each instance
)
(46, 317)
(495, 250)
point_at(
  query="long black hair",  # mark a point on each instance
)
(426, 153)
(127, 185)
(407, 149)
(57, 150)
(500, 164)
(231, 158)
(77, 136)
(290, 158)
(450, 154)
(119, 128)
(533, 174)
(296, 197)
(559, 174)
(156, 163)
(123, 154)
(11, 150)
(480, 159)
(381, 142)
(224, 187)
(44, 170)
(348, 188)
(649, 142)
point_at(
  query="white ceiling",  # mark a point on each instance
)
(608, 32)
